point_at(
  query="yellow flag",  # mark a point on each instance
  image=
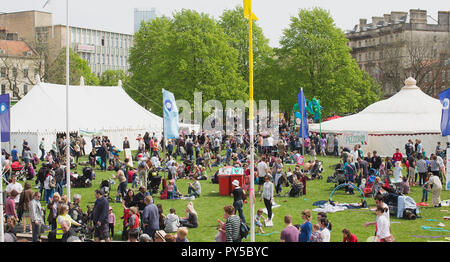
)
(247, 10)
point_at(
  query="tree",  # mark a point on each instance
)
(56, 72)
(187, 53)
(314, 55)
(112, 77)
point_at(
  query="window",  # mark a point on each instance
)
(25, 89)
(3, 72)
(3, 89)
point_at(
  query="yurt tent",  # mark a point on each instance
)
(388, 124)
(99, 110)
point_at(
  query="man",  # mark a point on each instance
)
(42, 148)
(100, 215)
(422, 169)
(194, 188)
(150, 217)
(14, 155)
(75, 210)
(140, 197)
(14, 186)
(376, 161)
(336, 146)
(82, 144)
(216, 145)
(102, 153)
(409, 148)
(363, 168)
(169, 148)
(397, 156)
(412, 168)
(262, 172)
(36, 216)
(59, 178)
(69, 233)
(290, 233)
(238, 196)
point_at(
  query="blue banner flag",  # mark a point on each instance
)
(171, 128)
(4, 117)
(303, 132)
(444, 97)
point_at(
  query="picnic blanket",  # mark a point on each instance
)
(329, 208)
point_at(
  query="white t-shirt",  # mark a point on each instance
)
(383, 227)
(261, 167)
(397, 174)
(325, 233)
(440, 161)
(270, 141)
(386, 214)
(16, 186)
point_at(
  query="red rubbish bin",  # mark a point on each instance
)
(239, 178)
(224, 185)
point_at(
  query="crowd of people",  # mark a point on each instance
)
(191, 157)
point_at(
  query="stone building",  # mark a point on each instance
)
(103, 50)
(401, 44)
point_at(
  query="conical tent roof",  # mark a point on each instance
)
(91, 108)
(410, 111)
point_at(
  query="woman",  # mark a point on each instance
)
(383, 232)
(11, 230)
(278, 171)
(232, 225)
(191, 219)
(122, 188)
(267, 195)
(435, 185)
(49, 187)
(92, 157)
(10, 206)
(129, 201)
(24, 204)
(53, 208)
(63, 215)
(207, 158)
(324, 232)
(162, 217)
(306, 227)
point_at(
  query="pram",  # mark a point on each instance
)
(105, 189)
(153, 183)
(83, 181)
(369, 185)
(402, 206)
(316, 171)
(19, 170)
(338, 176)
(296, 190)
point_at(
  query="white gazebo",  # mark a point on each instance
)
(105, 110)
(409, 114)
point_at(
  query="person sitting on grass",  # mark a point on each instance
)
(191, 219)
(348, 236)
(172, 222)
(194, 188)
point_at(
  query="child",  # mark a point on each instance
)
(133, 221)
(171, 222)
(135, 179)
(181, 234)
(404, 186)
(348, 236)
(315, 234)
(258, 218)
(425, 191)
(111, 221)
(170, 189)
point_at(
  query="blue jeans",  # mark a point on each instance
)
(48, 194)
(43, 154)
(238, 205)
(59, 188)
(192, 192)
(424, 195)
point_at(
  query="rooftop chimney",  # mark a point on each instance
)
(362, 23)
(387, 18)
(377, 20)
(399, 17)
(444, 18)
(417, 16)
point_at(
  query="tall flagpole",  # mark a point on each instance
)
(67, 103)
(251, 119)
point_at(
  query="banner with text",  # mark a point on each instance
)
(356, 138)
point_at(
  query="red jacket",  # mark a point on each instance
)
(397, 156)
(352, 238)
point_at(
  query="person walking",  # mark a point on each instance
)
(238, 195)
(42, 148)
(100, 217)
(232, 225)
(150, 217)
(267, 196)
(36, 216)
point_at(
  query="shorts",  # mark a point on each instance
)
(102, 232)
(261, 181)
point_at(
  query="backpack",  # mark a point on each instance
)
(243, 230)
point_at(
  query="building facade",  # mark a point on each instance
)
(401, 44)
(19, 64)
(141, 15)
(103, 50)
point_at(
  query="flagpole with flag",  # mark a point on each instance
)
(250, 16)
(444, 98)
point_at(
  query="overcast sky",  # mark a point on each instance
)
(117, 15)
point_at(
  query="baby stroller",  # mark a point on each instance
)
(339, 174)
(153, 184)
(19, 170)
(83, 181)
(369, 185)
(105, 189)
(296, 190)
(316, 170)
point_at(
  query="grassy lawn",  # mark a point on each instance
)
(210, 208)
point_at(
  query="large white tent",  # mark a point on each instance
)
(409, 114)
(105, 110)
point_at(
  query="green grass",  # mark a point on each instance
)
(210, 208)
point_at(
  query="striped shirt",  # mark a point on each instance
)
(232, 229)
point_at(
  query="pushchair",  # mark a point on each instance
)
(153, 183)
(296, 190)
(369, 185)
(105, 189)
(338, 176)
(19, 170)
(316, 170)
(83, 181)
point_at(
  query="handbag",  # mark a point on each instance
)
(52, 183)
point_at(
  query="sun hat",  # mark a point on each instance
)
(235, 183)
(161, 234)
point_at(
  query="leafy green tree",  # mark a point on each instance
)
(187, 53)
(112, 77)
(314, 55)
(56, 72)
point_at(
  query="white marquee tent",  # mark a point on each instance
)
(409, 114)
(103, 110)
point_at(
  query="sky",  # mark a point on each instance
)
(274, 15)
